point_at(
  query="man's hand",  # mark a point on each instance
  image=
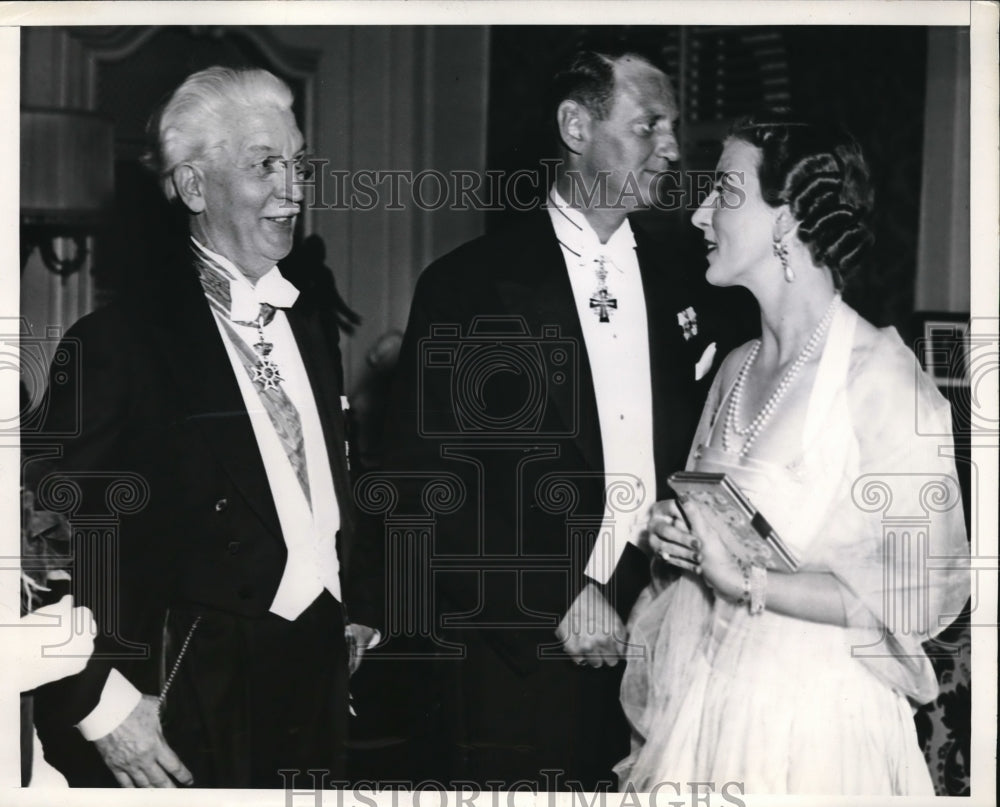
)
(591, 632)
(358, 638)
(137, 754)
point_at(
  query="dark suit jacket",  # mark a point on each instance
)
(525, 442)
(152, 399)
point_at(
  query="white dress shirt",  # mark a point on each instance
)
(618, 352)
(308, 530)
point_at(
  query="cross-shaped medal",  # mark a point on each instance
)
(602, 301)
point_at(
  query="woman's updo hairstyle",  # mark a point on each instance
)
(819, 172)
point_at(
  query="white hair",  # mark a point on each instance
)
(191, 121)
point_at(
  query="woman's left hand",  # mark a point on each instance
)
(696, 548)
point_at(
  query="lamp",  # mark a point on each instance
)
(67, 182)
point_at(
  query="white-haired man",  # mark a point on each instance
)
(223, 390)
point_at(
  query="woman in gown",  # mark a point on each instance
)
(804, 682)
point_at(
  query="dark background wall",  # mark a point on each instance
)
(871, 78)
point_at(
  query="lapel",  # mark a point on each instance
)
(197, 367)
(667, 291)
(320, 356)
(533, 282)
(662, 351)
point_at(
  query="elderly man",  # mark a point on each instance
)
(557, 370)
(223, 391)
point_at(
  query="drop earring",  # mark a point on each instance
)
(780, 249)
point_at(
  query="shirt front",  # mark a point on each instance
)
(618, 352)
(308, 526)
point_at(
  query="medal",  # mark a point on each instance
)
(265, 372)
(602, 302)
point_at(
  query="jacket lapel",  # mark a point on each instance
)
(320, 357)
(197, 367)
(671, 368)
(535, 284)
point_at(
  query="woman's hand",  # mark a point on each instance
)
(696, 548)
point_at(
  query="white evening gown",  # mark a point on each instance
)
(784, 705)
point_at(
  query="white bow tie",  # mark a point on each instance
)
(271, 289)
(245, 299)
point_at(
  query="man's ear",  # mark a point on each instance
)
(189, 182)
(573, 119)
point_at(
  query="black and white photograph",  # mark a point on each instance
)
(472, 401)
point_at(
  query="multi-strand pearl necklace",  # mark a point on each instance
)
(756, 426)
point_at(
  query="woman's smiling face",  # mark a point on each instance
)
(737, 223)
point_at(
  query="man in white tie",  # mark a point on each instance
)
(241, 577)
(548, 367)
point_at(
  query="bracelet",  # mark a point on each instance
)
(758, 589)
(745, 596)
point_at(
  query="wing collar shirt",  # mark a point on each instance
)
(618, 352)
(308, 530)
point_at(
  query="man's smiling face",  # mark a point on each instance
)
(251, 189)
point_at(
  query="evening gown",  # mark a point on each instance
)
(784, 705)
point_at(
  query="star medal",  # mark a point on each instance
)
(265, 371)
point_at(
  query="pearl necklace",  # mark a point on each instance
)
(756, 426)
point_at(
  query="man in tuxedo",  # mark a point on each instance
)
(551, 375)
(240, 598)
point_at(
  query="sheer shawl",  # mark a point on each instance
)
(879, 508)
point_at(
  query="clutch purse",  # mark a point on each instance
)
(745, 532)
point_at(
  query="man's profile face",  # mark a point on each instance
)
(252, 189)
(635, 141)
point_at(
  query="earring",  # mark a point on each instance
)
(780, 249)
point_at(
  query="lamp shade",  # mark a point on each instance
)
(67, 166)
